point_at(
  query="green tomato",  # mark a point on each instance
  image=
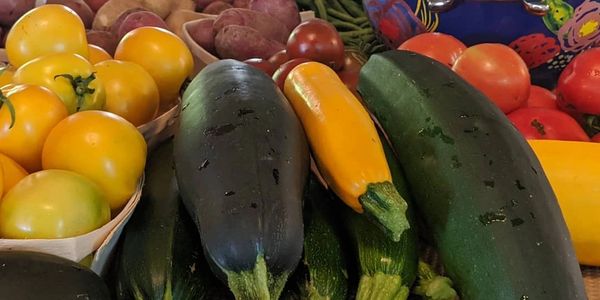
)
(52, 204)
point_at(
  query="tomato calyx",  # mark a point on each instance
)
(5, 101)
(592, 122)
(80, 85)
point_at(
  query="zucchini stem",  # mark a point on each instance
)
(381, 287)
(384, 206)
(256, 284)
(432, 286)
(251, 284)
(11, 109)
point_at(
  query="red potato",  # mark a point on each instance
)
(216, 7)
(114, 28)
(95, 4)
(140, 19)
(11, 10)
(111, 11)
(103, 39)
(243, 42)
(201, 4)
(285, 11)
(80, 7)
(266, 25)
(241, 3)
(202, 33)
(261, 64)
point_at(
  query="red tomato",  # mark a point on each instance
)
(497, 71)
(279, 58)
(283, 71)
(547, 124)
(579, 81)
(596, 138)
(353, 62)
(541, 97)
(439, 46)
(317, 40)
(261, 64)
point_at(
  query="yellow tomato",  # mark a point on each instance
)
(46, 29)
(37, 111)
(6, 76)
(163, 54)
(101, 146)
(10, 173)
(97, 54)
(52, 204)
(130, 91)
(68, 75)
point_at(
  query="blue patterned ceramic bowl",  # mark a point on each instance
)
(545, 42)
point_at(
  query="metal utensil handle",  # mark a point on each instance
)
(534, 7)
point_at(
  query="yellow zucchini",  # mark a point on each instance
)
(573, 169)
(346, 146)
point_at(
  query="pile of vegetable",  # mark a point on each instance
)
(71, 155)
(350, 20)
(561, 125)
(298, 169)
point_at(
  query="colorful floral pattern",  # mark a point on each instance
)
(582, 31)
(536, 49)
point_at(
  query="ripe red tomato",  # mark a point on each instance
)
(283, 71)
(596, 138)
(541, 97)
(349, 74)
(317, 40)
(578, 83)
(279, 58)
(497, 71)
(547, 124)
(439, 46)
(261, 64)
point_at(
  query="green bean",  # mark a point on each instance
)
(321, 10)
(354, 9)
(378, 48)
(340, 15)
(335, 4)
(346, 25)
(357, 33)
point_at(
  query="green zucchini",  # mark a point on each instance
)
(242, 160)
(324, 260)
(388, 269)
(160, 255)
(33, 275)
(478, 185)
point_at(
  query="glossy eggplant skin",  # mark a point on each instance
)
(32, 275)
(242, 160)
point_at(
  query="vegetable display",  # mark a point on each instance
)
(253, 150)
(493, 215)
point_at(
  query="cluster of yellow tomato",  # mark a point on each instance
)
(71, 154)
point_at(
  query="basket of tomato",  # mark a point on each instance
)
(76, 125)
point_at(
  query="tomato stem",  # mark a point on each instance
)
(80, 86)
(11, 109)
